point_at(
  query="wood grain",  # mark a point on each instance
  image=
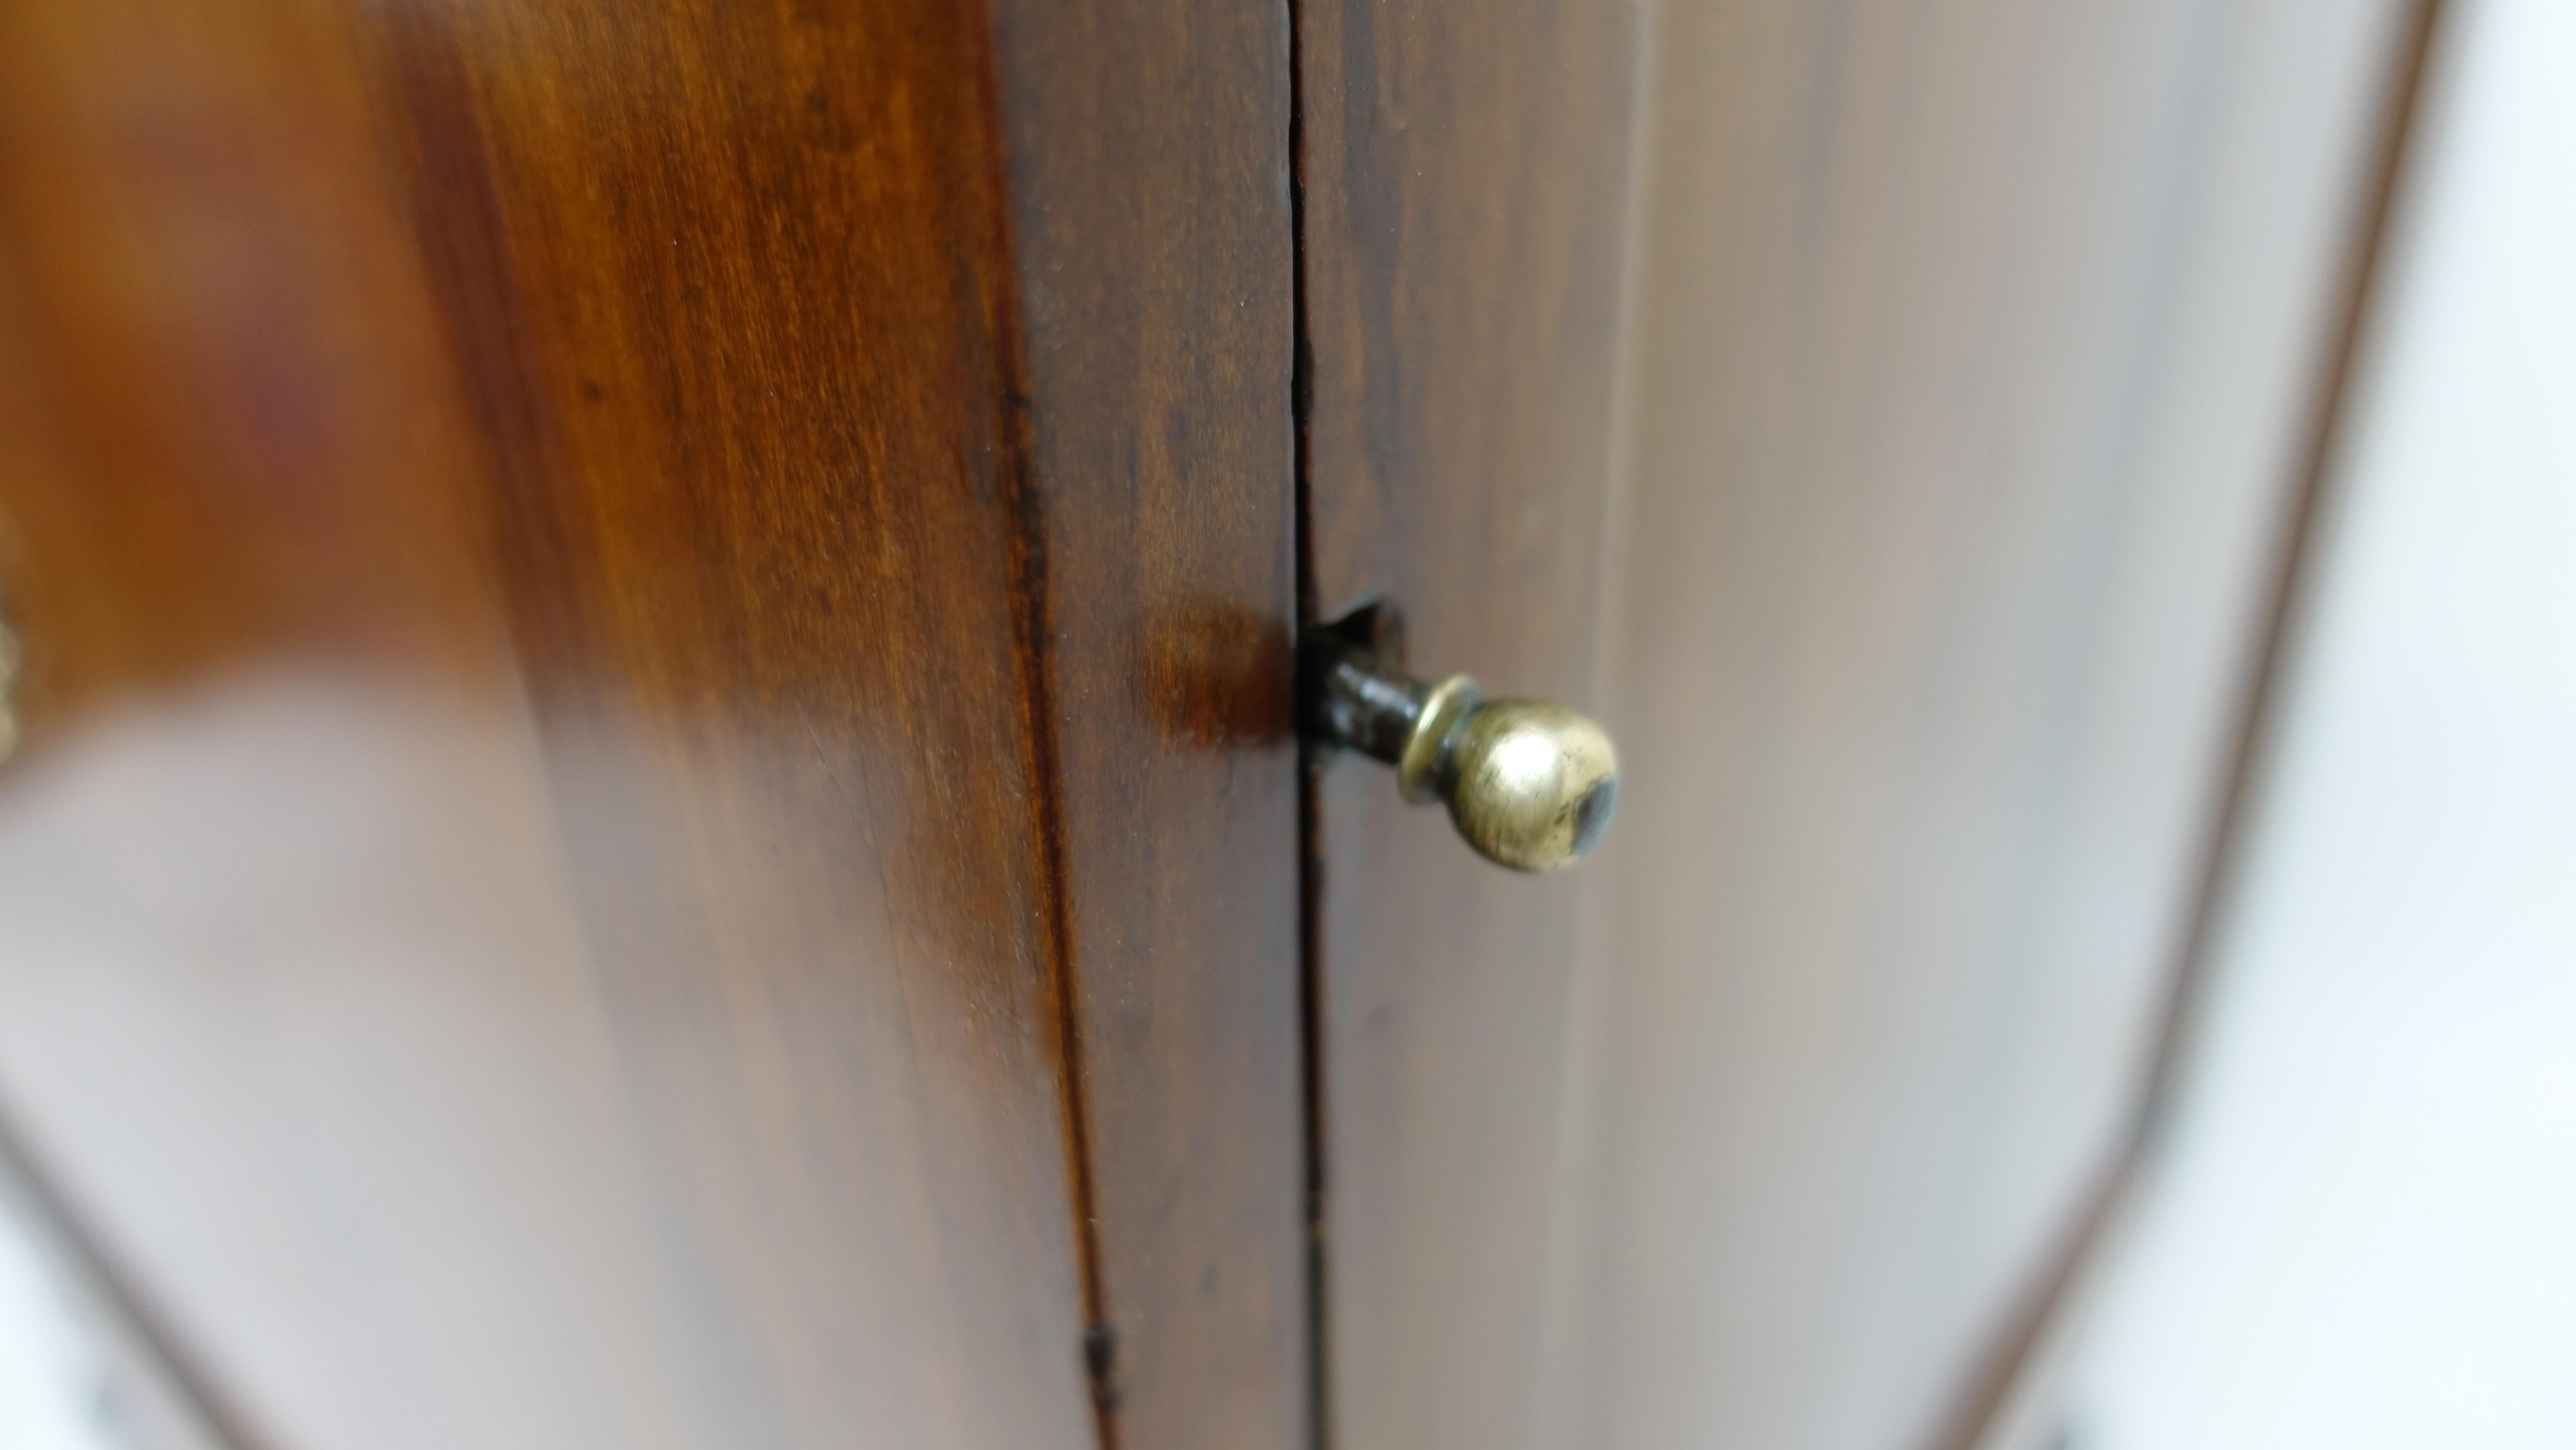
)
(550, 899)
(766, 548)
(1464, 189)
(1149, 193)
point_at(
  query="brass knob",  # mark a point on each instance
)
(1530, 783)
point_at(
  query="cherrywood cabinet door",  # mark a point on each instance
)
(655, 804)
(1892, 421)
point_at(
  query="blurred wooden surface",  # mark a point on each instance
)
(1149, 192)
(549, 902)
(1974, 355)
(1463, 210)
(657, 808)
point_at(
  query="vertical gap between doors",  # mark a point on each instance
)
(1310, 831)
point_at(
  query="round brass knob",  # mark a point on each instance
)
(1530, 784)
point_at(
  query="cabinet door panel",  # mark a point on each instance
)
(1465, 194)
(1966, 357)
(571, 562)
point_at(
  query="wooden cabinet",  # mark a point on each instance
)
(657, 800)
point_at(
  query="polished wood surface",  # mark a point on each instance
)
(1464, 193)
(2021, 1401)
(1149, 192)
(557, 892)
(1963, 357)
(1975, 350)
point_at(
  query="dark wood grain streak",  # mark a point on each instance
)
(1148, 187)
(750, 549)
(1040, 690)
(1465, 176)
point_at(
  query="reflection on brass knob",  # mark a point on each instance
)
(1531, 784)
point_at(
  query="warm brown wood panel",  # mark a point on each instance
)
(737, 314)
(550, 898)
(1464, 189)
(1149, 188)
(1966, 353)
